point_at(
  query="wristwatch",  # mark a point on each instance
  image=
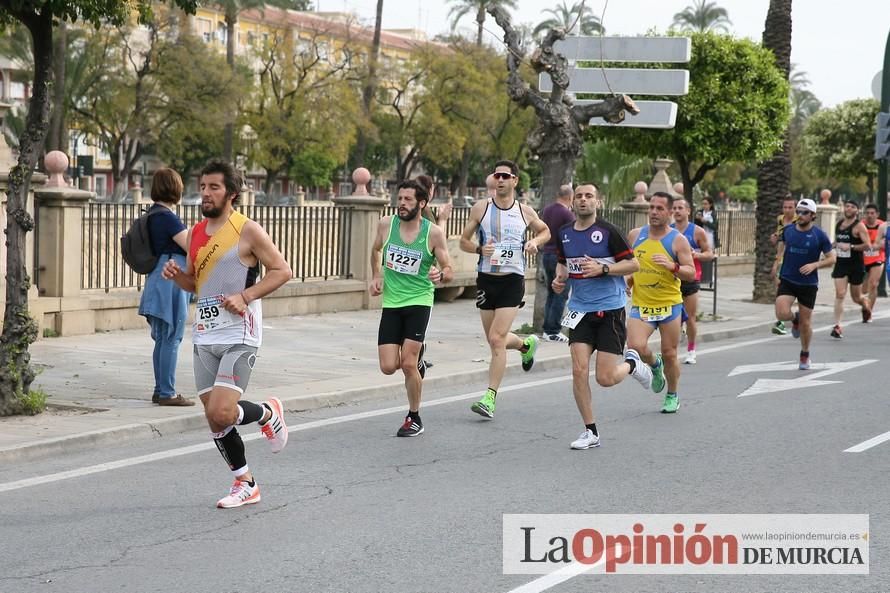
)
(605, 269)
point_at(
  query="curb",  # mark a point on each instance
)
(144, 431)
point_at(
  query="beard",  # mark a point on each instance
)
(411, 215)
(210, 211)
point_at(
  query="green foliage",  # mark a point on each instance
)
(744, 191)
(702, 16)
(615, 172)
(95, 12)
(839, 142)
(34, 403)
(304, 101)
(577, 19)
(311, 168)
(736, 109)
(49, 332)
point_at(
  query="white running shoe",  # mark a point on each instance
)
(587, 440)
(557, 337)
(275, 430)
(241, 494)
(690, 357)
(642, 372)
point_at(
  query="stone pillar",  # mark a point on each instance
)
(826, 218)
(60, 227)
(366, 211)
(638, 213)
(300, 196)
(661, 181)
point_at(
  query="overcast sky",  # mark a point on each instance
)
(840, 45)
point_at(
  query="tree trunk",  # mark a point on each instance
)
(480, 23)
(774, 175)
(57, 139)
(464, 173)
(370, 88)
(229, 133)
(19, 329)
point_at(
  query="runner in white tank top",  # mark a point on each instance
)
(499, 226)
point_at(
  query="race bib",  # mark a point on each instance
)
(507, 254)
(211, 315)
(403, 260)
(574, 265)
(843, 251)
(572, 319)
(872, 252)
(655, 313)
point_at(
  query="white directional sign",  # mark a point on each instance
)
(635, 81)
(802, 381)
(630, 81)
(626, 49)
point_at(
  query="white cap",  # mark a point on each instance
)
(807, 204)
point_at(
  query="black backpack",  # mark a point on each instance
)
(136, 245)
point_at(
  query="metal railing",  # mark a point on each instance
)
(313, 239)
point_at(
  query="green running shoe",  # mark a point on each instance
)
(528, 357)
(779, 328)
(658, 380)
(485, 406)
(671, 404)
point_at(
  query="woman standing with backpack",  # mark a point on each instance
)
(163, 303)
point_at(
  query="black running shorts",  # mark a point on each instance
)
(689, 288)
(398, 324)
(854, 272)
(606, 331)
(499, 292)
(805, 294)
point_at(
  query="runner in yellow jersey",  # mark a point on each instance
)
(665, 259)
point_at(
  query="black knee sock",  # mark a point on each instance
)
(250, 412)
(231, 447)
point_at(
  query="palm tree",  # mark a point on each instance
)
(579, 19)
(774, 175)
(703, 16)
(462, 8)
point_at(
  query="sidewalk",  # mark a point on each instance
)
(99, 386)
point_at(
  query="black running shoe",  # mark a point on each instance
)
(410, 428)
(836, 332)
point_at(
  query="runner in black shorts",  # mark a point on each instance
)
(800, 248)
(410, 245)
(851, 241)
(593, 256)
(499, 227)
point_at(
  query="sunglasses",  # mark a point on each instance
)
(500, 175)
(802, 212)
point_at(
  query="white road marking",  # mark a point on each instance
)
(800, 382)
(866, 445)
(178, 452)
(554, 578)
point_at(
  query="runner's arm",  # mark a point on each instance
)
(862, 233)
(276, 270)
(377, 247)
(439, 245)
(542, 231)
(707, 252)
(467, 243)
(185, 279)
(684, 269)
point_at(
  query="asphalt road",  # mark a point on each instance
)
(349, 508)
